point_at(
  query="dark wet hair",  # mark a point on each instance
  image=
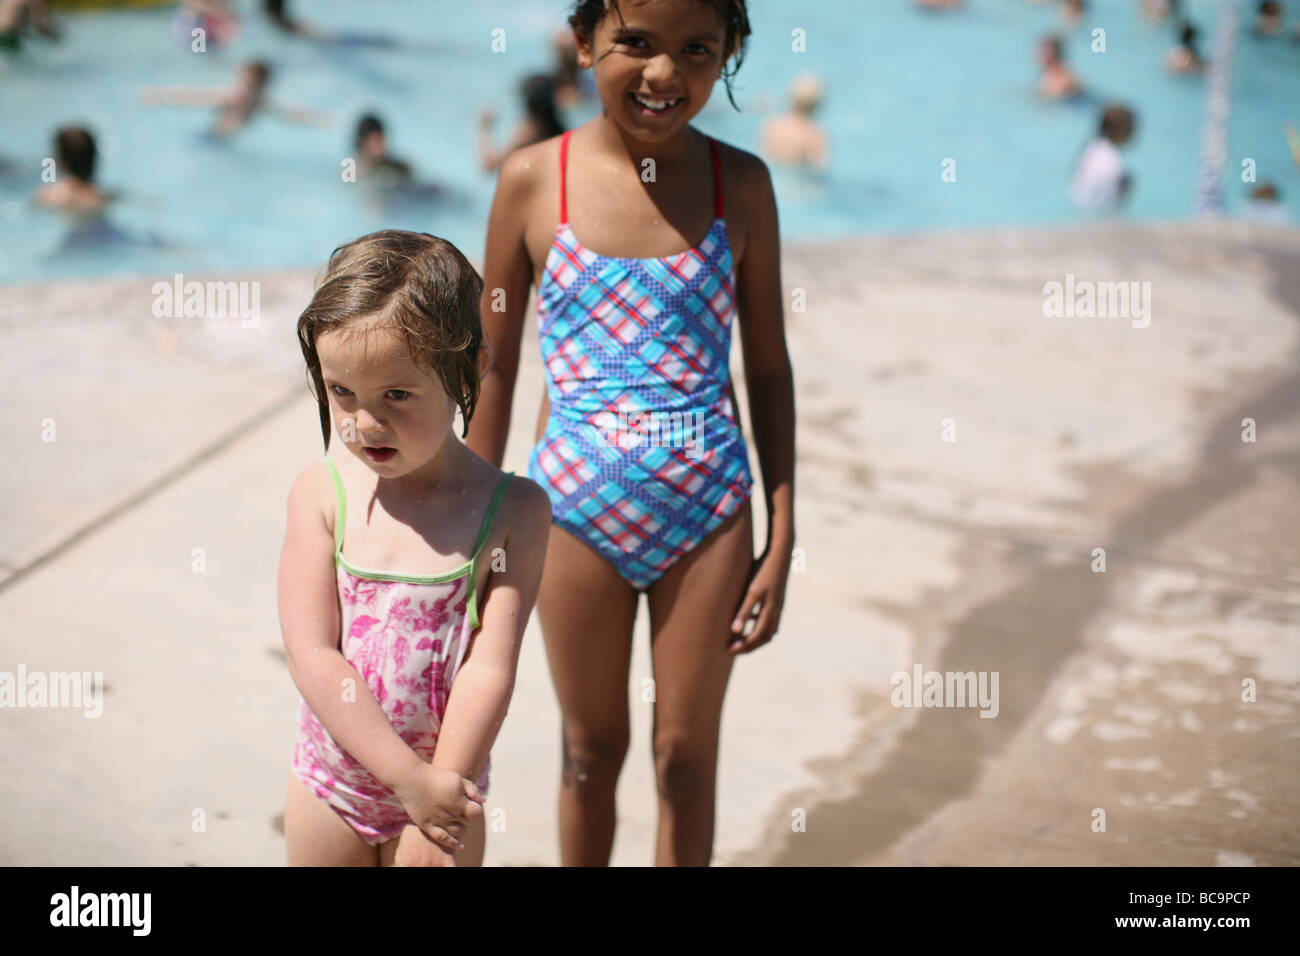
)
(1269, 8)
(587, 14)
(1117, 118)
(415, 284)
(538, 92)
(1055, 43)
(368, 125)
(1187, 36)
(74, 148)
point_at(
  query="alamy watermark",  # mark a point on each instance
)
(214, 300)
(923, 688)
(57, 690)
(629, 429)
(1085, 299)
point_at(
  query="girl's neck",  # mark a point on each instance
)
(610, 136)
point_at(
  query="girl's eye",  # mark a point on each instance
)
(630, 41)
(398, 395)
(340, 391)
(697, 48)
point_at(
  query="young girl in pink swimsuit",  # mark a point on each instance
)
(639, 445)
(406, 671)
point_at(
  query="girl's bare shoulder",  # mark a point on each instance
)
(750, 203)
(744, 174)
(525, 510)
(527, 170)
(313, 493)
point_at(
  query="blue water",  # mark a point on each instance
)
(906, 90)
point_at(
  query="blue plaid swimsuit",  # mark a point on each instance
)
(642, 455)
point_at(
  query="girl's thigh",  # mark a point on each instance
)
(587, 611)
(691, 609)
(315, 835)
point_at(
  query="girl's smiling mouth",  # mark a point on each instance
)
(654, 106)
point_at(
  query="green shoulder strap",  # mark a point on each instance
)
(484, 531)
(340, 508)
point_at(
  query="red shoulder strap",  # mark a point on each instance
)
(564, 162)
(717, 179)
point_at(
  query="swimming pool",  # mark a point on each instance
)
(906, 90)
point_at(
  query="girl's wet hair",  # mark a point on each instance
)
(735, 21)
(415, 284)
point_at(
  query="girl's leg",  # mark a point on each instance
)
(587, 611)
(691, 608)
(315, 835)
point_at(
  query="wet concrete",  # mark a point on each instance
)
(1036, 626)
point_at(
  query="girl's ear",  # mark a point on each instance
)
(582, 42)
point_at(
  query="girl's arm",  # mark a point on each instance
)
(310, 622)
(302, 115)
(770, 386)
(480, 693)
(507, 276)
(182, 96)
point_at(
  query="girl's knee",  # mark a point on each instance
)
(682, 771)
(592, 763)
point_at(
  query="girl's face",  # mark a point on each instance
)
(389, 412)
(655, 69)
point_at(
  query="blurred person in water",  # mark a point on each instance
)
(1100, 182)
(1268, 22)
(1186, 56)
(794, 138)
(1265, 205)
(16, 16)
(541, 121)
(238, 104)
(1057, 80)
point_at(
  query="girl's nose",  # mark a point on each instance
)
(367, 422)
(660, 68)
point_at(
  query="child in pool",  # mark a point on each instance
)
(73, 191)
(238, 105)
(635, 312)
(391, 769)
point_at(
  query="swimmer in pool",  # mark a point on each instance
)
(1185, 57)
(373, 160)
(1265, 206)
(73, 192)
(217, 21)
(76, 198)
(1072, 12)
(1268, 23)
(540, 122)
(1100, 182)
(18, 15)
(1057, 81)
(794, 138)
(237, 105)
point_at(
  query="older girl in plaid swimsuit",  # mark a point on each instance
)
(639, 445)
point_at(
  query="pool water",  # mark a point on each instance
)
(906, 91)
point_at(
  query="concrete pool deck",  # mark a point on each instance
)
(1119, 691)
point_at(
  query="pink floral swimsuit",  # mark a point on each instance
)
(406, 636)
